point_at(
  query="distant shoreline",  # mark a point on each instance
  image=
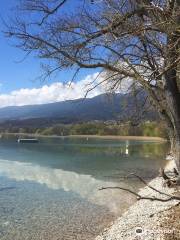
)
(110, 137)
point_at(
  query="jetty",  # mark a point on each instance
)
(28, 140)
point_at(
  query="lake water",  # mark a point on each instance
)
(49, 190)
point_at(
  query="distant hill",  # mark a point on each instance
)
(103, 108)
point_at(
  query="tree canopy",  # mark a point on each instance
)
(126, 39)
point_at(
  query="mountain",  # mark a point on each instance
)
(103, 107)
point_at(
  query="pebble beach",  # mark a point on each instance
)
(143, 220)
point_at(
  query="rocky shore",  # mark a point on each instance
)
(144, 220)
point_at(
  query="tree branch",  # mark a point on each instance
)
(139, 197)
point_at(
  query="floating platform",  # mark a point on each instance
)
(28, 140)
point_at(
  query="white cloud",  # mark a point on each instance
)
(58, 91)
(52, 93)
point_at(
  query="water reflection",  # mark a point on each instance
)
(84, 185)
(94, 157)
(52, 187)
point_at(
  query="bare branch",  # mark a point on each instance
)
(149, 186)
(139, 197)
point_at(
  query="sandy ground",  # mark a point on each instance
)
(170, 223)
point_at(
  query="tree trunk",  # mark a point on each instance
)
(172, 85)
(175, 148)
(172, 109)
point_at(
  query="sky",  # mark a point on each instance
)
(18, 79)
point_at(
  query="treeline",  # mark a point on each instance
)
(154, 129)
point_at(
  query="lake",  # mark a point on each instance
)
(50, 190)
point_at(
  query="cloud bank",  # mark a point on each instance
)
(59, 91)
(53, 93)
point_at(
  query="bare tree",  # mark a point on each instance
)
(127, 39)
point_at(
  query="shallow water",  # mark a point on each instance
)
(50, 190)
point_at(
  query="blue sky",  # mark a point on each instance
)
(16, 76)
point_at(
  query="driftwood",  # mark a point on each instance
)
(168, 198)
(175, 172)
(164, 176)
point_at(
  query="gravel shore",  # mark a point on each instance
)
(143, 220)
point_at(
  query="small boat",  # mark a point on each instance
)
(27, 140)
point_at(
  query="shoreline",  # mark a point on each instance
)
(144, 214)
(108, 137)
(145, 218)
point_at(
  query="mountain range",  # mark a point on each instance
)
(103, 108)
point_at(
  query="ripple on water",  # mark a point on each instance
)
(32, 211)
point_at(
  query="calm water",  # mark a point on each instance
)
(50, 190)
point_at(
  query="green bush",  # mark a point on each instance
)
(153, 129)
